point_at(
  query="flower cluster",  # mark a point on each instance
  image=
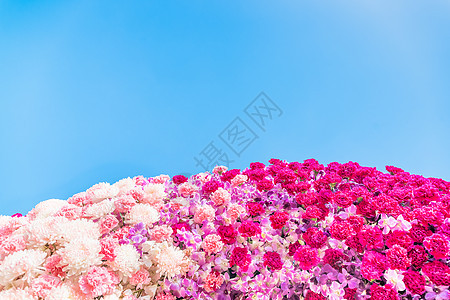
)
(277, 231)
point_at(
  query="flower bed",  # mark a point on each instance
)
(282, 231)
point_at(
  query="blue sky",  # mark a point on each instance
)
(96, 91)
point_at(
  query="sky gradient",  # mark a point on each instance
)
(95, 91)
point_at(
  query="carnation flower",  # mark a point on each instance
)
(438, 245)
(249, 229)
(273, 260)
(397, 258)
(373, 265)
(255, 209)
(306, 257)
(386, 292)
(143, 213)
(241, 258)
(314, 237)
(414, 282)
(126, 259)
(213, 281)
(43, 284)
(154, 194)
(227, 234)
(220, 197)
(279, 219)
(79, 255)
(205, 212)
(101, 191)
(98, 281)
(100, 209)
(212, 244)
(26, 264)
(234, 211)
(171, 261)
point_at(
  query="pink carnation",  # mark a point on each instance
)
(108, 223)
(203, 213)
(371, 238)
(98, 281)
(161, 179)
(306, 257)
(212, 244)
(124, 203)
(239, 179)
(52, 265)
(220, 197)
(140, 278)
(161, 233)
(42, 285)
(397, 258)
(213, 281)
(70, 212)
(437, 245)
(373, 265)
(234, 211)
(186, 189)
(108, 248)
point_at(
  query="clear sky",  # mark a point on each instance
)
(95, 91)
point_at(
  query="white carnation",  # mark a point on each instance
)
(79, 255)
(17, 294)
(125, 185)
(78, 229)
(127, 259)
(142, 213)
(25, 263)
(46, 208)
(102, 190)
(99, 210)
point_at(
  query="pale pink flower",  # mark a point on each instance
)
(70, 211)
(164, 296)
(186, 189)
(108, 223)
(154, 194)
(140, 278)
(203, 177)
(98, 281)
(221, 197)
(205, 212)
(125, 202)
(235, 211)
(161, 233)
(239, 179)
(42, 285)
(212, 244)
(161, 178)
(219, 169)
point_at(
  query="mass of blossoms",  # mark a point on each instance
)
(276, 231)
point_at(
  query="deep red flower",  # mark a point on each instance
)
(310, 295)
(335, 258)
(227, 233)
(249, 229)
(371, 237)
(293, 247)
(397, 258)
(264, 185)
(180, 225)
(230, 174)
(279, 219)
(306, 257)
(418, 256)
(438, 272)
(386, 292)
(241, 258)
(273, 260)
(414, 281)
(255, 209)
(314, 237)
(178, 179)
(211, 186)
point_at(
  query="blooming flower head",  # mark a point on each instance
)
(213, 281)
(98, 281)
(273, 260)
(212, 244)
(279, 219)
(241, 258)
(306, 257)
(395, 279)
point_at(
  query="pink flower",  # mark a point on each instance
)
(239, 179)
(371, 237)
(241, 258)
(186, 189)
(140, 278)
(249, 229)
(205, 212)
(52, 266)
(161, 233)
(397, 258)
(306, 257)
(279, 219)
(124, 203)
(373, 265)
(234, 211)
(314, 237)
(108, 223)
(437, 245)
(164, 296)
(220, 197)
(273, 260)
(70, 212)
(213, 281)
(212, 244)
(161, 179)
(98, 281)
(108, 248)
(42, 285)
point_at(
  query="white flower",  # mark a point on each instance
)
(127, 259)
(125, 185)
(25, 263)
(17, 294)
(100, 209)
(102, 190)
(142, 213)
(64, 291)
(42, 231)
(154, 193)
(78, 230)
(395, 279)
(46, 208)
(79, 255)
